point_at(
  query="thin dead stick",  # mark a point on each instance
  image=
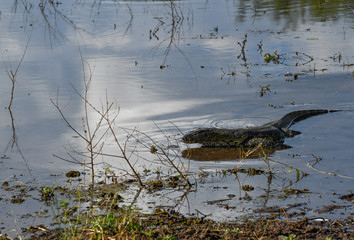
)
(66, 121)
(90, 132)
(169, 160)
(186, 170)
(316, 160)
(164, 156)
(122, 150)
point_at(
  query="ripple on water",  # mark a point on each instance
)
(236, 122)
(174, 129)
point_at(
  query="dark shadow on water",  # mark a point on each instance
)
(224, 154)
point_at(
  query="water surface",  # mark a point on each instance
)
(185, 65)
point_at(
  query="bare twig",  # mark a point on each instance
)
(94, 140)
(165, 158)
(93, 135)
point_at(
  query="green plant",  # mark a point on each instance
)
(169, 237)
(269, 57)
(290, 237)
(234, 230)
(47, 193)
(114, 224)
(264, 90)
(68, 216)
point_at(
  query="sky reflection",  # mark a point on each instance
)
(181, 68)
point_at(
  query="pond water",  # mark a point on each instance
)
(173, 67)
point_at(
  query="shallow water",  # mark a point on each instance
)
(180, 65)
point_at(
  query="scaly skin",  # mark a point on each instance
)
(271, 134)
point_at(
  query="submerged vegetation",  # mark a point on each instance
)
(128, 223)
(101, 212)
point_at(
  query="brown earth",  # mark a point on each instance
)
(171, 225)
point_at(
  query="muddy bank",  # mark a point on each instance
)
(171, 225)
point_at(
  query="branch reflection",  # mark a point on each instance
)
(12, 74)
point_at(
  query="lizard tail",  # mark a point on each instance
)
(296, 116)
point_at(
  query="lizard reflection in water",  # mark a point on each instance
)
(225, 154)
(271, 134)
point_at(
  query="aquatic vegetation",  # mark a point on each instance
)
(275, 57)
(249, 171)
(260, 47)
(72, 174)
(264, 90)
(292, 58)
(243, 54)
(17, 200)
(247, 188)
(231, 73)
(153, 149)
(47, 193)
(295, 191)
(155, 184)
